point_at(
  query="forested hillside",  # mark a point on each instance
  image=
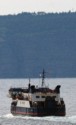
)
(30, 42)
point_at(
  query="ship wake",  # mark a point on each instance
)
(66, 119)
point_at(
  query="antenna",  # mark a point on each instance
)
(43, 77)
(29, 80)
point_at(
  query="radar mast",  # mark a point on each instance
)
(43, 77)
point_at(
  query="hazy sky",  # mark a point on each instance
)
(18, 6)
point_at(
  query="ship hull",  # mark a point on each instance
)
(35, 111)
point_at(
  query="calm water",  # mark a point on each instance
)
(68, 92)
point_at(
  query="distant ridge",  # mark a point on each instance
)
(30, 42)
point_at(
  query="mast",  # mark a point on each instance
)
(43, 77)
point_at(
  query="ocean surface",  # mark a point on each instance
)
(68, 92)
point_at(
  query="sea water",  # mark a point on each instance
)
(68, 92)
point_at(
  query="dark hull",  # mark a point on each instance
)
(37, 111)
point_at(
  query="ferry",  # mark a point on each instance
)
(37, 101)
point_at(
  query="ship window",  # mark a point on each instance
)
(22, 102)
(43, 96)
(37, 96)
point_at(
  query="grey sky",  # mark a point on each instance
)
(18, 6)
